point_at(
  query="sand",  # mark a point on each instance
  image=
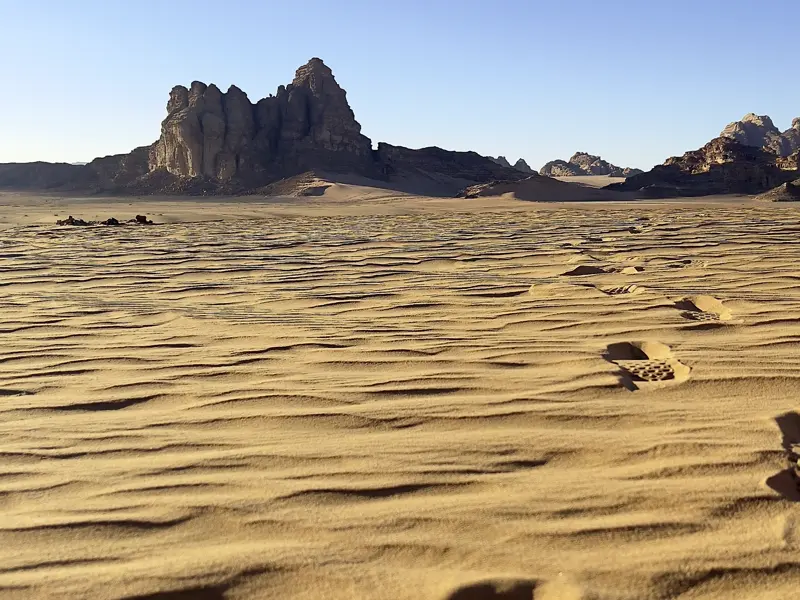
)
(380, 396)
(596, 181)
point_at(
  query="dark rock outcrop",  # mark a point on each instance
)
(70, 220)
(111, 221)
(723, 166)
(581, 164)
(445, 167)
(220, 142)
(759, 131)
(109, 173)
(787, 192)
(44, 176)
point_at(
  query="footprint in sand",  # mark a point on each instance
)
(621, 290)
(560, 290)
(647, 364)
(704, 308)
(584, 270)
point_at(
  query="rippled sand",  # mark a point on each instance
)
(402, 400)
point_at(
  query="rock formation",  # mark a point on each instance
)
(787, 192)
(759, 131)
(220, 142)
(789, 163)
(500, 160)
(222, 136)
(521, 165)
(582, 163)
(723, 166)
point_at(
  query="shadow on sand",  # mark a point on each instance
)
(786, 482)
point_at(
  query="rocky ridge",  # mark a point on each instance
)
(220, 142)
(722, 166)
(581, 164)
(520, 165)
(500, 160)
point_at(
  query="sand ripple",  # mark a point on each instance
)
(402, 406)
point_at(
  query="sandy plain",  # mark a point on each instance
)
(367, 395)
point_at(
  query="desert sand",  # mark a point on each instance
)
(367, 395)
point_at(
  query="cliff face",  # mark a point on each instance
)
(223, 136)
(582, 163)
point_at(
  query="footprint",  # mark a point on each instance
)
(704, 308)
(560, 290)
(631, 270)
(787, 482)
(514, 589)
(583, 270)
(631, 289)
(587, 270)
(647, 364)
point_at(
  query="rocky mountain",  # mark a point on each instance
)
(759, 131)
(723, 166)
(220, 142)
(520, 165)
(582, 163)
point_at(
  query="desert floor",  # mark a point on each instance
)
(365, 396)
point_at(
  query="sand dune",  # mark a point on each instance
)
(401, 398)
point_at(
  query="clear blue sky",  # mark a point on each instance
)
(635, 81)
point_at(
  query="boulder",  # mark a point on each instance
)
(70, 220)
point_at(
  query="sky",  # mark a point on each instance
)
(635, 81)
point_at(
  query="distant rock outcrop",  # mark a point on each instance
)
(500, 160)
(759, 131)
(521, 165)
(219, 142)
(583, 163)
(723, 166)
(537, 188)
